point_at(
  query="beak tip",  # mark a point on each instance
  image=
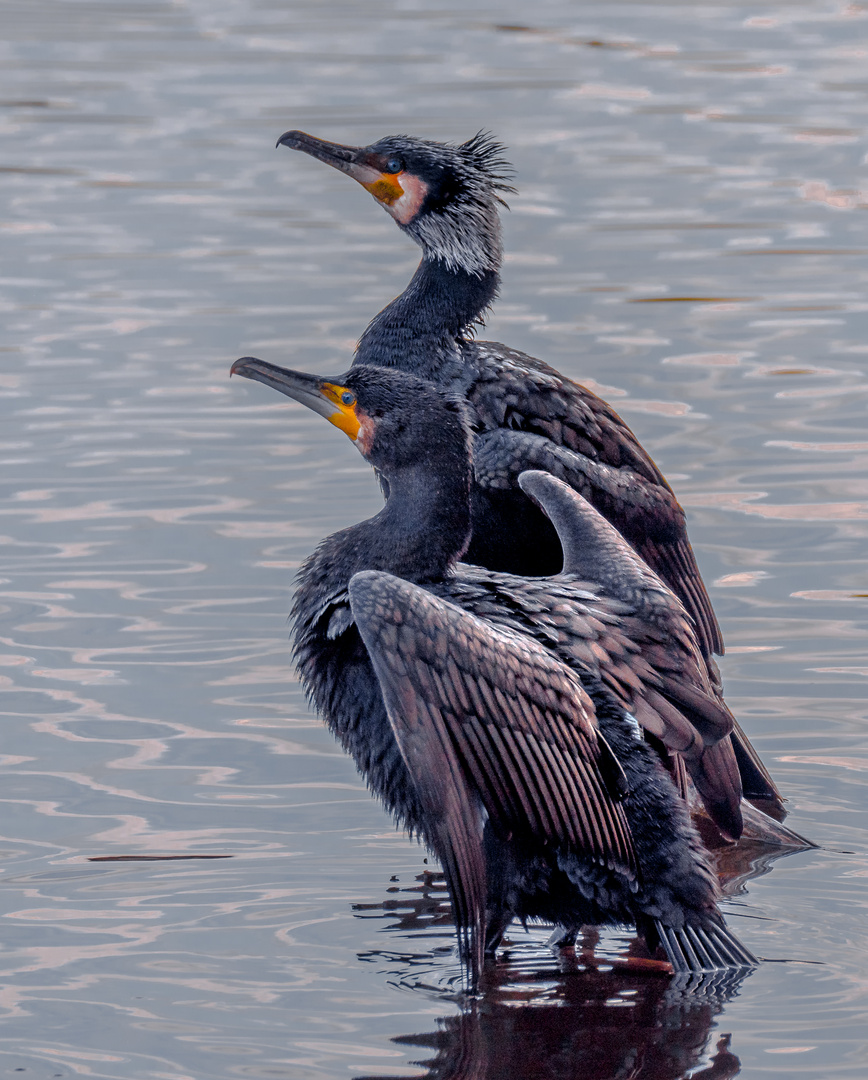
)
(239, 363)
(288, 138)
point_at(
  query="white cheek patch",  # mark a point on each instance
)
(403, 210)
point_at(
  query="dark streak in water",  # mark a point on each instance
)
(152, 858)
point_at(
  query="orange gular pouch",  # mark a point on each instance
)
(402, 194)
(344, 416)
(386, 189)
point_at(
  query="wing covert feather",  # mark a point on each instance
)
(594, 550)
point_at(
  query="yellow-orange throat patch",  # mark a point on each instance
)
(386, 189)
(344, 416)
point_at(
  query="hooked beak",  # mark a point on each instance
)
(346, 159)
(336, 403)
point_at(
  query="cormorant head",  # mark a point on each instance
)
(445, 196)
(397, 421)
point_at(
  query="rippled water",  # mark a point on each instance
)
(688, 237)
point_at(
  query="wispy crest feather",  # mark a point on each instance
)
(488, 155)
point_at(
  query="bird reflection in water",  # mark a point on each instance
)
(601, 1026)
(574, 1017)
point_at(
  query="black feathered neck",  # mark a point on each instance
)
(457, 225)
(419, 329)
(419, 440)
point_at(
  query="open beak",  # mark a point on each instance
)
(324, 396)
(356, 161)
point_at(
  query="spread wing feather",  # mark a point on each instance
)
(657, 622)
(644, 652)
(490, 725)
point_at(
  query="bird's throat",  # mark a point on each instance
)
(424, 528)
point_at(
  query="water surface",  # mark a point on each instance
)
(688, 238)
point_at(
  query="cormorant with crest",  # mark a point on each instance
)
(495, 715)
(525, 414)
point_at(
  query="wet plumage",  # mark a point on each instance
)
(525, 415)
(489, 712)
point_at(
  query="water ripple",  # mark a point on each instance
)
(687, 238)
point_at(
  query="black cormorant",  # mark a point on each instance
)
(488, 711)
(525, 414)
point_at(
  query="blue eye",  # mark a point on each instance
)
(347, 397)
(395, 165)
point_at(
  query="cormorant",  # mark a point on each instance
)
(525, 414)
(488, 711)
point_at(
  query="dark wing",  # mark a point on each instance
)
(657, 622)
(602, 459)
(644, 669)
(645, 665)
(678, 704)
(489, 724)
(593, 550)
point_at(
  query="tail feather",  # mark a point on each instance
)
(724, 939)
(674, 952)
(703, 948)
(710, 957)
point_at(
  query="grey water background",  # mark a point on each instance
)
(688, 238)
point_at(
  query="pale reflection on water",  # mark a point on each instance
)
(688, 239)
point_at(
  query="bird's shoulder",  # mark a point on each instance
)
(514, 390)
(321, 602)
